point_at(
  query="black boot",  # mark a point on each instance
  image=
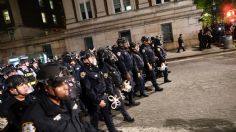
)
(143, 94)
(167, 80)
(158, 89)
(129, 119)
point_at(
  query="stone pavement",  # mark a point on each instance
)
(194, 51)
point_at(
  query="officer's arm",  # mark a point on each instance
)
(121, 66)
(90, 93)
(109, 84)
(135, 67)
(160, 56)
(144, 55)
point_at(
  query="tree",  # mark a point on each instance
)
(214, 10)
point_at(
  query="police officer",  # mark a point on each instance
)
(28, 72)
(14, 106)
(181, 43)
(161, 54)
(7, 72)
(113, 79)
(126, 65)
(94, 91)
(138, 76)
(55, 112)
(149, 58)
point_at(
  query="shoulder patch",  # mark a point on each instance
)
(118, 53)
(158, 49)
(3, 123)
(143, 50)
(105, 75)
(28, 127)
(71, 84)
(57, 118)
(82, 74)
(75, 107)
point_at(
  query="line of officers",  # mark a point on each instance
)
(73, 93)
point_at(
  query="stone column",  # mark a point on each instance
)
(110, 7)
(16, 12)
(69, 11)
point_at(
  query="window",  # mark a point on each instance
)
(161, 1)
(44, 19)
(6, 16)
(167, 32)
(82, 10)
(86, 10)
(127, 5)
(88, 43)
(54, 18)
(41, 4)
(121, 5)
(51, 4)
(126, 34)
(158, 1)
(48, 50)
(89, 9)
(117, 6)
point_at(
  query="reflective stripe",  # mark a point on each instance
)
(28, 74)
(32, 83)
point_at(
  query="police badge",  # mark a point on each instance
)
(82, 74)
(143, 50)
(118, 53)
(28, 127)
(105, 75)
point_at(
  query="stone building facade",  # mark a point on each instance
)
(96, 23)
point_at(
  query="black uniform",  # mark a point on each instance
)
(45, 116)
(149, 57)
(181, 43)
(13, 110)
(161, 54)
(114, 82)
(139, 81)
(126, 65)
(93, 91)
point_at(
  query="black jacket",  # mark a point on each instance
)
(45, 116)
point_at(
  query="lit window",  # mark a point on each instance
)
(127, 5)
(54, 19)
(161, 1)
(51, 4)
(6, 16)
(44, 17)
(40, 3)
(121, 5)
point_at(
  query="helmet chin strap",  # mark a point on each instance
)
(19, 93)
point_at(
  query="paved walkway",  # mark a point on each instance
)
(194, 51)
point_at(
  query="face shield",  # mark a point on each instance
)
(112, 57)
